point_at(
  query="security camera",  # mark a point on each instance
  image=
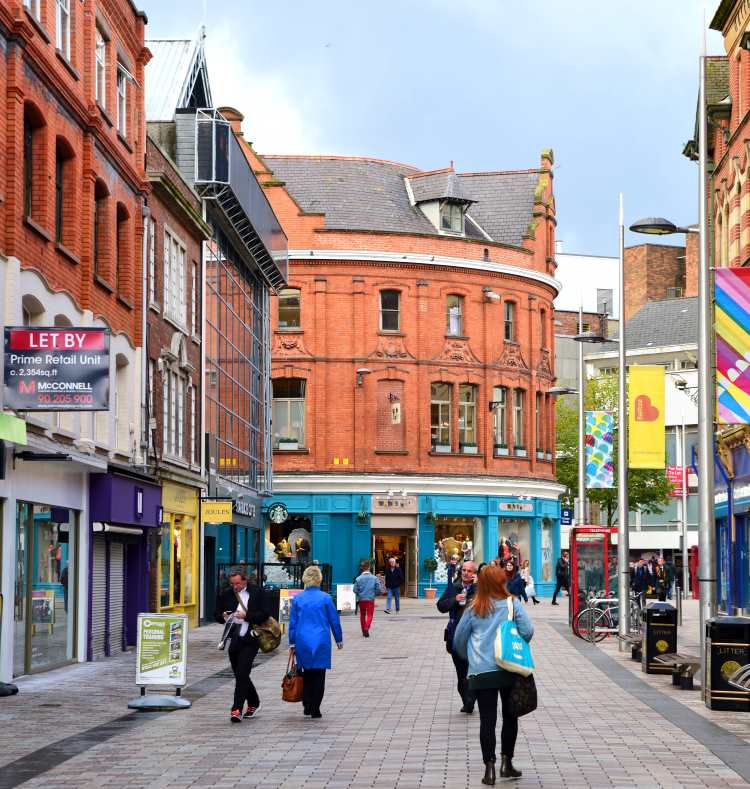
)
(363, 371)
(681, 384)
(490, 294)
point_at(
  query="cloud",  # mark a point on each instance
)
(276, 120)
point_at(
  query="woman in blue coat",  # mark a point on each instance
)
(311, 621)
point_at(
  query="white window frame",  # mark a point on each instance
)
(174, 273)
(539, 421)
(467, 415)
(62, 27)
(454, 214)
(100, 70)
(151, 260)
(389, 310)
(194, 299)
(193, 430)
(151, 414)
(454, 315)
(287, 404)
(518, 426)
(437, 431)
(122, 100)
(509, 321)
(32, 6)
(500, 426)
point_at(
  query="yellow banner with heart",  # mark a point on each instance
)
(645, 416)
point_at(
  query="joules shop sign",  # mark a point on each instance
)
(53, 369)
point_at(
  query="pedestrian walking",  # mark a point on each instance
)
(515, 584)
(528, 579)
(562, 575)
(312, 620)
(242, 602)
(366, 587)
(453, 602)
(394, 577)
(474, 640)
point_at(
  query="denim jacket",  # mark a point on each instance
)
(474, 639)
(366, 586)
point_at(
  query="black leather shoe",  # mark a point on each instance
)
(307, 711)
(555, 603)
(489, 774)
(507, 770)
(467, 709)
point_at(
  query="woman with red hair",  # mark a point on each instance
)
(474, 640)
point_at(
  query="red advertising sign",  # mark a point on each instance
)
(675, 475)
(56, 369)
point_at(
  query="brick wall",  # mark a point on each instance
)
(566, 323)
(59, 100)
(650, 270)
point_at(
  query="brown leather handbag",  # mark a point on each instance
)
(292, 682)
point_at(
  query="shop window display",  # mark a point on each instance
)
(455, 535)
(44, 604)
(514, 539)
(292, 540)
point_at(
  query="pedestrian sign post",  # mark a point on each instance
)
(161, 659)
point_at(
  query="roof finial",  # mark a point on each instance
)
(452, 164)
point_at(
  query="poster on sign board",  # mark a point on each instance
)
(162, 649)
(345, 598)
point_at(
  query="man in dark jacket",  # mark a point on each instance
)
(453, 602)
(394, 577)
(562, 573)
(244, 603)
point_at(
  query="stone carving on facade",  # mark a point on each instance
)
(391, 348)
(458, 351)
(511, 357)
(286, 345)
(545, 368)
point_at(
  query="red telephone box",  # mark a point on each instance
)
(593, 565)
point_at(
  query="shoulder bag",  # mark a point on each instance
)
(268, 633)
(292, 681)
(523, 696)
(512, 651)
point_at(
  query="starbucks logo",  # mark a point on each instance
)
(662, 645)
(278, 513)
(728, 668)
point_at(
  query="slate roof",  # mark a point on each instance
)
(176, 68)
(657, 324)
(437, 186)
(371, 195)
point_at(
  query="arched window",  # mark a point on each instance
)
(32, 310)
(289, 413)
(65, 208)
(33, 162)
(101, 227)
(390, 310)
(289, 309)
(440, 416)
(543, 328)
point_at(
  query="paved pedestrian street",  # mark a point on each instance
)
(390, 719)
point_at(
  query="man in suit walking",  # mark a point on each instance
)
(242, 602)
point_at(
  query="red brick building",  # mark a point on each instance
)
(72, 194)
(412, 354)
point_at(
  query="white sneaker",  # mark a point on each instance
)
(386, 610)
(251, 712)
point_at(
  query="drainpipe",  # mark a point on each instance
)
(145, 414)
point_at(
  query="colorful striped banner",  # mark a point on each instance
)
(733, 346)
(599, 465)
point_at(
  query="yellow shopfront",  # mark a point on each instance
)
(178, 551)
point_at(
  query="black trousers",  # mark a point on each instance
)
(487, 702)
(462, 669)
(241, 656)
(560, 585)
(313, 688)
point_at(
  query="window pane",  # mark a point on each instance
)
(455, 315)
(289, 308)
(389, 310)
(501, 409)
(510, 317)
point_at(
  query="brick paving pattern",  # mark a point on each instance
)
(390, 719)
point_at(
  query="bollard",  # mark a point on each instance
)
(679, 606)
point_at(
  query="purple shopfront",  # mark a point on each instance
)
(125, 517)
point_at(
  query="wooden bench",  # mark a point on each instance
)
(635, 642)
(683, 668)
(741, 678)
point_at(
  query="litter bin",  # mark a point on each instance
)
(727, 649)
(659, 636)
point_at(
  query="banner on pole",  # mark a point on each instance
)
(646, 416)
(732, 346)
(599, 465)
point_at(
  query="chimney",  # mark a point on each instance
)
(235, 118)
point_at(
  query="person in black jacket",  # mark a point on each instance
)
(394, 577)
(453, 602)
(244, 602)
(515, 584)
(562, 573)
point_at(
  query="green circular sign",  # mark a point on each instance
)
(278, 513)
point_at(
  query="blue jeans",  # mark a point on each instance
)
(396, 592)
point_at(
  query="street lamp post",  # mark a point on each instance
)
(706, 527)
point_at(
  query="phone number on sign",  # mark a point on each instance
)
(66, 399)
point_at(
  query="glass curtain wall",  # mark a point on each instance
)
(237, 369)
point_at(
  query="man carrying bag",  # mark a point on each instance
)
(242, 602)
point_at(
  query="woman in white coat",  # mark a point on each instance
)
(529, 581)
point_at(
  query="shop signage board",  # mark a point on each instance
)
(43, 607)
(675, 477)
(213, 511)
(345, 598)
(394, 503)
(285, 603)
(566, 516)
(516, 506)
(56, 369)
(162, 650)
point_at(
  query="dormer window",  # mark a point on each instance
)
(452, 217)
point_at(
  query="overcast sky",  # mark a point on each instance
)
(610, 86)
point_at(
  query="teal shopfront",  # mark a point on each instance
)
(346, 528)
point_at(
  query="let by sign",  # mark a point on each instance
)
(56, 369)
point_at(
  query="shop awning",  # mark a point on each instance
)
(111, 528)
(12, 429)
